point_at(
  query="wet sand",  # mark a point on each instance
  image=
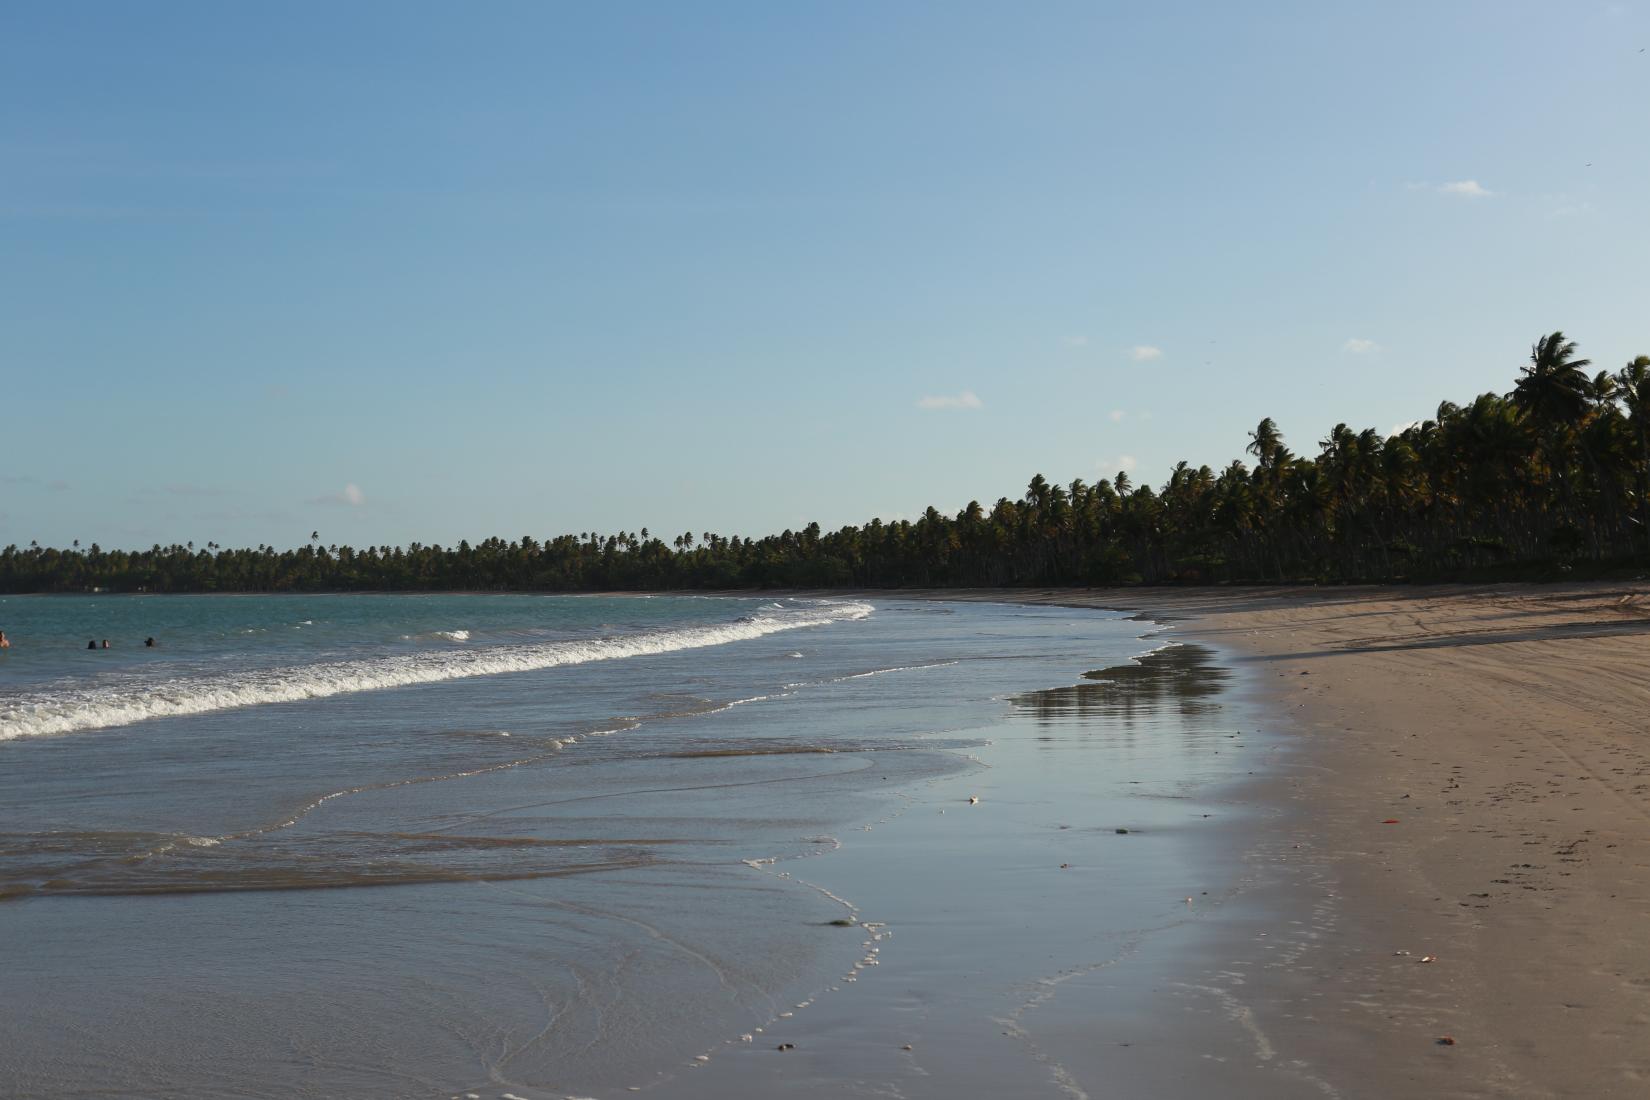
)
(1025, 927)
(1465, 778)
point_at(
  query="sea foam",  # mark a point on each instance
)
(36, 714)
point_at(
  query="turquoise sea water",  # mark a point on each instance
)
(419, 845)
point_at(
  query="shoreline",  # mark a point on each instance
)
(978, 910)
(1433, 819)
(1035, 941)
(1472, 785)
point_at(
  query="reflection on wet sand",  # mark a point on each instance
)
(1180, 676)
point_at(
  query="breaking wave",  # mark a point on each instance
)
(37, 714)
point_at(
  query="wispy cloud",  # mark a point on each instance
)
(1460, 189)
(967, 399)
(1400, 429)
(1145, 353)
(1357, 345)
(350, 496)
(1117, 416)
(1077, 341)
(1466, 189)
(1118, 464)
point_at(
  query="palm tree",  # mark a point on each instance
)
(1265, 443)
(1555, 393)
(1554, 389)
(1633, 386)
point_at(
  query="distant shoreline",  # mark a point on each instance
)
(1627, 571)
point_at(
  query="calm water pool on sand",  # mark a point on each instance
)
(425, 845)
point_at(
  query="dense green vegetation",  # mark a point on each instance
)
(1554, 475)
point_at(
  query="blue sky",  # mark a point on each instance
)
(402, 272)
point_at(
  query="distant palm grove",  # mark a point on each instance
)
(1548, 478)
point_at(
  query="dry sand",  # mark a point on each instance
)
(1468, 779)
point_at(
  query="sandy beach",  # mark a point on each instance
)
(1442, 871)
(1020, 852)
(1467, 781)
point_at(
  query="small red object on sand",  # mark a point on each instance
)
(1446, 1040)
(1390, 821)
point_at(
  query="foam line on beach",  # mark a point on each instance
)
(38, 714)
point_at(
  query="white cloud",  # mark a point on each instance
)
(1461, 189)
(1077, 341)
(1123, 463)
(350, 496)
(967, 399)
(1145, 353)
(1117, 416)
(1400, 429)
(1466, 189)
(1357, 345)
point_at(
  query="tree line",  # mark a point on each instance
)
(1549, 477)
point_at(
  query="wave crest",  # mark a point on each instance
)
(41, 714)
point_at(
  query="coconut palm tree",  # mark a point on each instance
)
(1555, 394)
(1554, 388)
(1266, 444)
(1633, 387)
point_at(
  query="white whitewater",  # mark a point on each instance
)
(36, 714)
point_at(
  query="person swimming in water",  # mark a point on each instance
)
(105, 643)
(149, 643)
(91, 643)
(5, 642)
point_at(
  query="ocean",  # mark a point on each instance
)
(536, 846)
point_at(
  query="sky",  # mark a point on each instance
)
(398, 272)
